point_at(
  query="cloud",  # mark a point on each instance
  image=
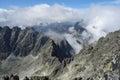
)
(67, 36)
(102, 20)
(54, 35)
(37, 14)
(99, 19)
(73, 42)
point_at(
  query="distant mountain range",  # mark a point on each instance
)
(36, 52)
(74, 32)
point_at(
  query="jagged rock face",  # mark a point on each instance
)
(61, 48)
(99, 61)
(4, 42)
(27, 52)
(28, 41)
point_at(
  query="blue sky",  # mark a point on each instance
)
(69, 3)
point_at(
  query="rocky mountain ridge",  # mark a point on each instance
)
(28, 41)
(28, 52)
(98, 61)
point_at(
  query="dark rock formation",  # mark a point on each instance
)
(28, 41)
(79, 27)
(40, 78)
(5, 48)
(12, 77)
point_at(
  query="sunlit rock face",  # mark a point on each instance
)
(100, 60)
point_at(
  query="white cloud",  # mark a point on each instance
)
(69, 37)
(72, 41)
(100, 19)
(54, 35)
(36, 14)
(104, 18)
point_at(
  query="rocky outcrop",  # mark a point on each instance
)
(51, 59)
(26, 51)
(28, 41)
(99, 61)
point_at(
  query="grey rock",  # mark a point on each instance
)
(28, 41)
